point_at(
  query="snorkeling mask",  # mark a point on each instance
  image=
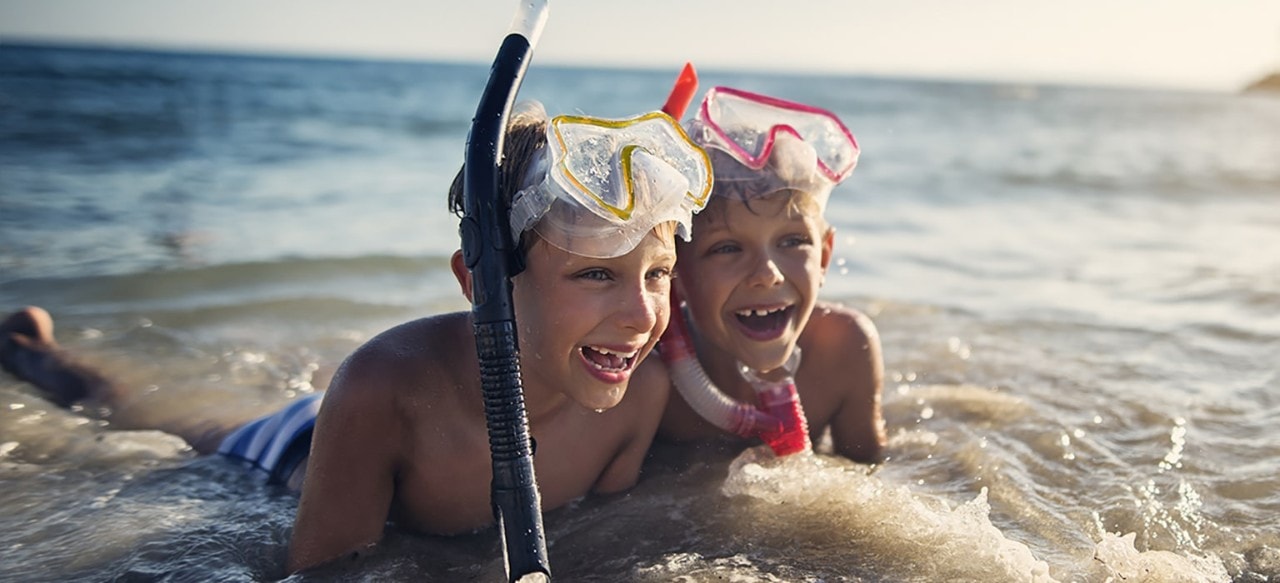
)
(600, 185)
(760, 144)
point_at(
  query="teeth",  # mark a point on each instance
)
(614, 361)
(758, 312)
(615, 353)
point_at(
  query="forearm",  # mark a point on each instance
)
(857, 430)
(864, 443)
(309, 548)
(342, 513)
(350, 478)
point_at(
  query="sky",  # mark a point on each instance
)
(1218, 45)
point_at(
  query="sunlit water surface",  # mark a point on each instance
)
(1078, 293)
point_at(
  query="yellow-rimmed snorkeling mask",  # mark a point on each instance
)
(600, 185)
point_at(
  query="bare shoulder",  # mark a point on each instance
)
(638, 413)
(653, 381)
(633, 423)
(398, 359)
(365, 435)
(648, 391)
(839, 327)
(841, 351)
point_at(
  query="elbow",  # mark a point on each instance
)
(299, 561)
(296, 564)
(872, 453)
(865, 447)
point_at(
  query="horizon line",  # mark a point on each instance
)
(463, 60)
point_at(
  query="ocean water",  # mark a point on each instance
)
(1077, 288)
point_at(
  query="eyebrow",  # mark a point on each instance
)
(708, 230)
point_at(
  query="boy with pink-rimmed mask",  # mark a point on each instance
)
(757, 343)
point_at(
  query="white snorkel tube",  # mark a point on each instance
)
(706, 399)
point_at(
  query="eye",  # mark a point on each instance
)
(796, 240)
(724, 247)
(659, 273)
(594, 274)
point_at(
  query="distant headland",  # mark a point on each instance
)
(1268, 84)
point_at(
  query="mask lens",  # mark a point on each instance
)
(747, 125)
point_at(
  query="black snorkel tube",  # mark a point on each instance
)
(490, 255)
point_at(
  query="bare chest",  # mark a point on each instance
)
(445, 487)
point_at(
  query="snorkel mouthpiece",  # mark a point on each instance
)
(780, 400)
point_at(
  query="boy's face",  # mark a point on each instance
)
(585, 324)
(751, 275)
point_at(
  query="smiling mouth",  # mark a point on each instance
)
(763, 323)
(606, 360)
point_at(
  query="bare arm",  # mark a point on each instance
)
(351, 473)
(857, 429)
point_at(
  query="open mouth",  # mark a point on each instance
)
(764, 324)
(609, 361)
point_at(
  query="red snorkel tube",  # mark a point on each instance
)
(681, 93)
(777, 419)
(489, 253)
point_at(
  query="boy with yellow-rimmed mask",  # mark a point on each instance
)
(400, 435)
(590, 305)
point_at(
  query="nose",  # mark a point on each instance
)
(639, 308)
(765, 273)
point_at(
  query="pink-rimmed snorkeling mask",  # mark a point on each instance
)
(760, 144)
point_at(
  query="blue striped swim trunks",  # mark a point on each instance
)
(276, 443)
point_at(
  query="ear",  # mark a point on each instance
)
(828, 247)
(461, 273)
